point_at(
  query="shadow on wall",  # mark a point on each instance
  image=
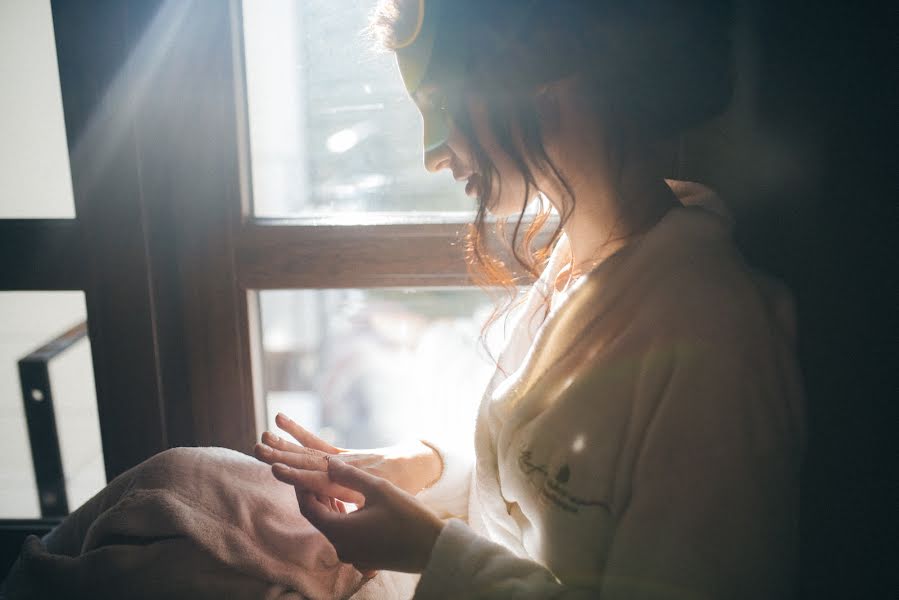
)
(803, 157)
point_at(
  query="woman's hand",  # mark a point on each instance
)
(412, 466)
(392, 530)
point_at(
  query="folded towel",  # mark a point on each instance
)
(191, 523)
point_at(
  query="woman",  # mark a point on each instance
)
(642, 435)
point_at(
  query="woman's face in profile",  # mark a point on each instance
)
(446, 147)
(436, 82)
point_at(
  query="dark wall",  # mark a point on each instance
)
(806, 160)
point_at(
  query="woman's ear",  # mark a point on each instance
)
(549, 100)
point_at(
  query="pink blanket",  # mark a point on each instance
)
(192, 523)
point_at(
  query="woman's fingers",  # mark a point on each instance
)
(348, 476)
(306, 438)
(316, 512)
(393, 531)
(332, 525)
(304, 459)
(280, 443)
(316, 482)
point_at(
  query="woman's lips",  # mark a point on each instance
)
(473, 179)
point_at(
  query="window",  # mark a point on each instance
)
(48, 408)
(368, 367)
(34, 162)
(224, 199)
(332, 129)
(49, 426)
(376, 339)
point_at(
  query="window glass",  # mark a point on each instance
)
(34, 159)
(28, 321)
(370, 367)
(78, 425)
(332, 129)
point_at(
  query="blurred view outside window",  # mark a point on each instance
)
(369, 367)
(332, 129)
(334, 134)
(29, 320)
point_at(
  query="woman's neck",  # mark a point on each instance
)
(608, 217)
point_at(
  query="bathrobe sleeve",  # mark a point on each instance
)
(448, 497)
(712, 505)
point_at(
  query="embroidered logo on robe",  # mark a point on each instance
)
(555, 489)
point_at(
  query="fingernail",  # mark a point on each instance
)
(279, 468)
(263, 449)
(274, 439)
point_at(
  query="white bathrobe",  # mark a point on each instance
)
(641, 441)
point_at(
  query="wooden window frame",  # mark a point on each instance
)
(164, 244)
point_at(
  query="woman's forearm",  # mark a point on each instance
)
(414, 466)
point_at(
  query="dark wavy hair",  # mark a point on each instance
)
(650, 68)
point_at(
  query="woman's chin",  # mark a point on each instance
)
(506, 207)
